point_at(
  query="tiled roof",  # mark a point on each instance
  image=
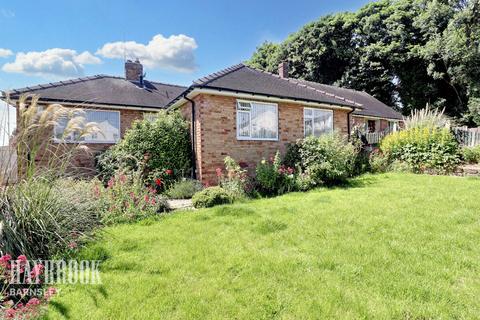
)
(242, 78)
(107, 90)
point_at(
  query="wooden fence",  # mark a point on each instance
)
(8, 165)
(467, 137)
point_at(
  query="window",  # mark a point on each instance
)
(317, 121)
(150, 116)
(108, 123)
(257, 121)
(392, 126)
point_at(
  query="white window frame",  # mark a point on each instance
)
(92, 141)
(250, 121)
(312, 117)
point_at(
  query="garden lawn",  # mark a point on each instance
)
(389, 246)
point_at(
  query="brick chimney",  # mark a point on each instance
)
(283, 69)
(133, 70)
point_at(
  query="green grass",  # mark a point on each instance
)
(389, 246)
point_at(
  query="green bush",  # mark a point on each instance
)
(235, 180)
(273, 178)
(328, 159)
(42, 218)
(423, 149)
(210, 197)
(379, 163)
(152, 146)
(184, 189)
(471, 155)
(292, 156)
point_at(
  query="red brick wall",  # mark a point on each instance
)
(217, 137)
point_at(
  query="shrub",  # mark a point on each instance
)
(423, 149)
(127, 199)
(184, 189)
(378, 162)
(471, 155)
(235, 180)
(41, 218)
(292, 156)
(273, 178)
(152, 146)
(328, 159)
(210, 197)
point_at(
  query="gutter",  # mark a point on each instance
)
(194, 158)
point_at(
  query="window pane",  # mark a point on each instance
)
(108, 122)
(322, 122)
(243, 124)
(264, 121)
(308, 127)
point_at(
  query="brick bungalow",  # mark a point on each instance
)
(239, 111)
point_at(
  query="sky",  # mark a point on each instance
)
(177, 41)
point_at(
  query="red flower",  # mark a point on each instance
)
(146, 198)
(290, 170)
(158, 182)
(153, 202)
(169, 172)
(219, 172)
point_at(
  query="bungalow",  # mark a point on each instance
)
(239, 111)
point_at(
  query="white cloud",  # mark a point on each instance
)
(175, 52)
(52, 62)
(5, 53)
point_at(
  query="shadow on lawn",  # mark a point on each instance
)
(360, 182)
(93, 291)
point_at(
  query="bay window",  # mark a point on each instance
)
(108, 123)
(317, 121)
(257, 121)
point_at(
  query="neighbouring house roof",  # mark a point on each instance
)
(104, 90)
(244, 79)
(370, 105)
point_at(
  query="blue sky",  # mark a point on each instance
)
(178, 41)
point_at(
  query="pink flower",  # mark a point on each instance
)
(219, 172)
(123, 178)
(151, 189)
(72, 245)
(49, 293)
(22, 259)
(153, 202)
(33, 302)
(290, 170)
(10, 313)
(146, 198)
(111, 182)
(169, 172)
(5, 259)
(37, 270)
(96, 191)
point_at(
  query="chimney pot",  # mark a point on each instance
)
(133, 70)
(283, 69)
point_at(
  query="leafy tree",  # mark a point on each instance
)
(404, 52)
